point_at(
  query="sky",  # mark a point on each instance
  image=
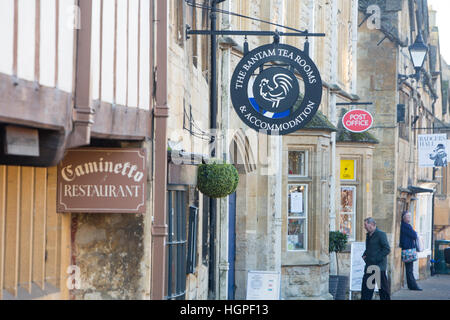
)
(443, 11)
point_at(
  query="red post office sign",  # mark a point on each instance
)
(102, 180)
(357, 120)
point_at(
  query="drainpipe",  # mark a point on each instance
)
(83, 114)
(213, 124)
(333, 118)
(432, 227)
(160, 113)
(225, 45)
(432, 219)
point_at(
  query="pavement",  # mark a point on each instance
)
(436, 287)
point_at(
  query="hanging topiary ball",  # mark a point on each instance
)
(217, 180)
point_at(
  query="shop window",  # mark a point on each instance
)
(347, 211)
(423, 224)
(176, 244)
(298, 165)
(192, 244)
(205, 231)
(297, 217)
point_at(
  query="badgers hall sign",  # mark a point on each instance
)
(268, 96)
(102, 180)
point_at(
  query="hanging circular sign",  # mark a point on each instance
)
(266, 93)
(357, 120)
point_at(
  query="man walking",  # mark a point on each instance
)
(375, 256)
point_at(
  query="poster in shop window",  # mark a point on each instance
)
(433, 150)
(347, 199)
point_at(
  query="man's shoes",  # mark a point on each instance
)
(417, 289)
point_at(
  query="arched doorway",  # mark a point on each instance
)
(242, 158)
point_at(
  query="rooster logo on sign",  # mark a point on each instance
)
(275, 90)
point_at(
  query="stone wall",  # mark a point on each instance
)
(109, 250)
(197, 284)
(305, 283)
(113, 250)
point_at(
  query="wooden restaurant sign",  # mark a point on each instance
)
(102, 180)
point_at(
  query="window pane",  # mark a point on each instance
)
(347, 199)
(296, 234)
(346, 225)
(348, 211)
(297, 163)
(296, 201)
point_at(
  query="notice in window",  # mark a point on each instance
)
(296, 202)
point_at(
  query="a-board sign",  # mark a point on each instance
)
(268, 96)
(357, 265)
(102, 180)
(263, 285)
(357, 120)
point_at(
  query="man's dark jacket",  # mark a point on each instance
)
(377, 249)
(407, 236)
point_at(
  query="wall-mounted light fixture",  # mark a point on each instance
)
(418, 52)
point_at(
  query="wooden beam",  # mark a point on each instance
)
(39, 227)
(2, 225)
(66, 253)
(11, 276)
(26, 227)
(120, 122)
(83, 111)
(51, 269)
(47, 108)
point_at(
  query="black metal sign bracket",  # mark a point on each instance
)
(190, 32)
(354, 103)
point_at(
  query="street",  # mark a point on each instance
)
(434, 288)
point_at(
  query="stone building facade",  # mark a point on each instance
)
(253, 230)
(399, 183)
(260, 207)
(132, 78)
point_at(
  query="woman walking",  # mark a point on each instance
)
(408, 238)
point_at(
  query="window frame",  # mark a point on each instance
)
(306, 170)
(305, 216)
(175, 282)
(353, 213)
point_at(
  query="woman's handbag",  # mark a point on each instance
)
(409, 255)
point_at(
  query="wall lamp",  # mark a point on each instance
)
(418, 52)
